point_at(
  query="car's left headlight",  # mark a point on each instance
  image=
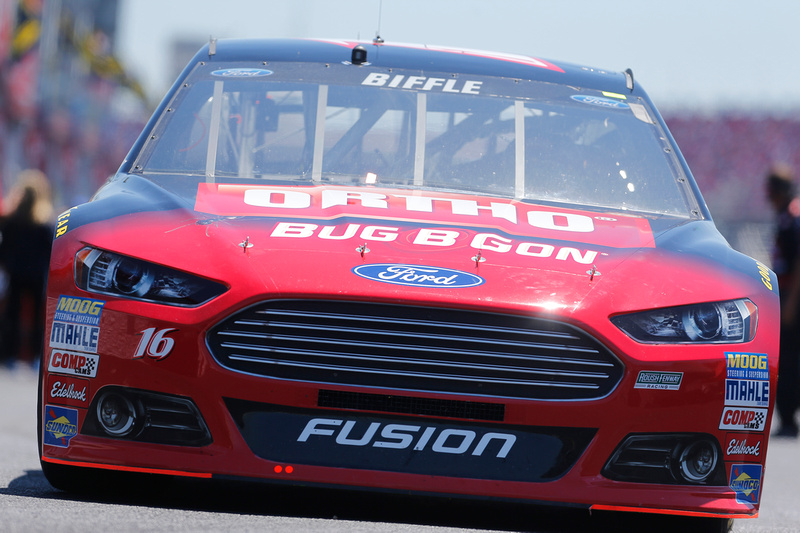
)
(119, 275)
(713, 322)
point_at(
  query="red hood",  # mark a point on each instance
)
(273, 241)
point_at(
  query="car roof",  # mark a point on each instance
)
(414, 56)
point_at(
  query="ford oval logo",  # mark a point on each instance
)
(598, 101)
(242, 73)
(419, 276)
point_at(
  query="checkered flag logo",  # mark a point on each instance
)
(757, 422)
(90, 366)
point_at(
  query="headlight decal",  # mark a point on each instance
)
(732, 321)
(110, 273)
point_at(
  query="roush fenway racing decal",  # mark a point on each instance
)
(326, 204)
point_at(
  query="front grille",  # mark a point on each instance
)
(415, 348)
(436, 407)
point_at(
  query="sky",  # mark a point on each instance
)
(702, 56)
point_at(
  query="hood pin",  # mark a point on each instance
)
(362, 250)
(245, 244)
(593, 272)
(478, 259)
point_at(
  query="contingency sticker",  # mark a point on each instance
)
(648, 379)
(743, 419)
(76, 324)
(747, 380)
(60, 425)
(745, 481)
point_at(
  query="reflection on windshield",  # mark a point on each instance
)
(493, 136)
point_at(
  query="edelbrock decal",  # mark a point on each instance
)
(418, 276)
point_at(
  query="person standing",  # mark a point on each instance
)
(782, 195)
(26, 234)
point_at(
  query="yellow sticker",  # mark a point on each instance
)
(614, 95)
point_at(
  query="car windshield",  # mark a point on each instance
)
(341, 124)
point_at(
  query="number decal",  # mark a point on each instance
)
(155, 343)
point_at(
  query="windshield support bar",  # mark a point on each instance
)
(319, 133)
(419, 136)
(213, 132)
(519, 149)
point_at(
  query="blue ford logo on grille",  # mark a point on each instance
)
(418, 276)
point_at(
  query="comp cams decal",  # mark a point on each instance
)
(60, 425)
(74, 363)
(743, 419)
(418, 276)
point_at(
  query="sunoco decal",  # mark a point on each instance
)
(658, 380)
(418, 276)
(60, 425)
(747, 379)
(745, 481)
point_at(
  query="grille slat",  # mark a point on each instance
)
(351, 357)
(415, 348)
(278, 326)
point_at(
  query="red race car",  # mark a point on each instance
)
(413, 268)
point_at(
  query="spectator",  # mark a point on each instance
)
(781, 193)
(26, 233)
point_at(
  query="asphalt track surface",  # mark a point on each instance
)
(29, 504)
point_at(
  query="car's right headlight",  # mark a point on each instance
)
(127, 277)
(732, 321)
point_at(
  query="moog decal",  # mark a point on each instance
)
(418, 276)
